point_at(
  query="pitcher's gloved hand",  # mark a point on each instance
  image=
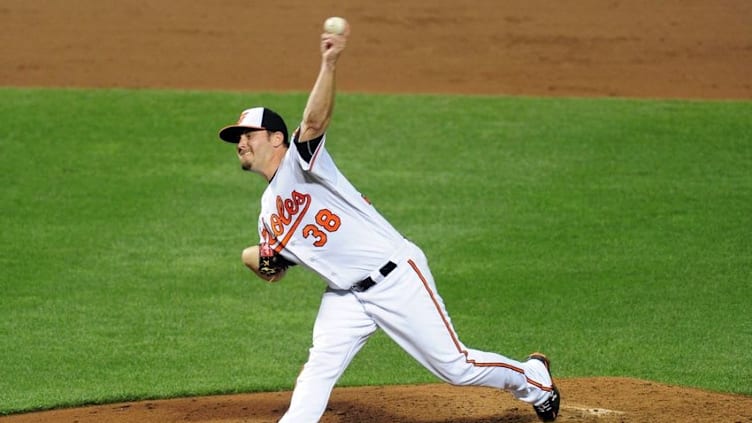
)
(271, 263)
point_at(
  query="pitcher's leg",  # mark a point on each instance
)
(425, 331)
(340, 331)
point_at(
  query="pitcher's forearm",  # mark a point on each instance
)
(320, 105)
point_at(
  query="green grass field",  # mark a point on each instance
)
(616, 235)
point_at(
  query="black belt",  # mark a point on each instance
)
(367, 283)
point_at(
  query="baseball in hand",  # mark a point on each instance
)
(335, 25)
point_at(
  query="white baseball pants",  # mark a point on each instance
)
(408, 308)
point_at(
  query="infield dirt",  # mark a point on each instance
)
(639, 48)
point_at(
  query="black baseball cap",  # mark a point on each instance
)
(257, 118)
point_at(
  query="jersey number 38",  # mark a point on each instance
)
(326, 222)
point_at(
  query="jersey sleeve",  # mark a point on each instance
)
(262, 231)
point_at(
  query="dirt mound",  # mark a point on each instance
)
(598, 400)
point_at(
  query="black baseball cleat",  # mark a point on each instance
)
(548, 410)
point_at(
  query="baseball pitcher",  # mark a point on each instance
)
(312, 216)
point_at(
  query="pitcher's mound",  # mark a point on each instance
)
(583, 400)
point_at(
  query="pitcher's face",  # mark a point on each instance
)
(254, 148)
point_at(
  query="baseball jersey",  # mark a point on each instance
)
(313, 216)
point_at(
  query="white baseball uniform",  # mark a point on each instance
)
(313, 216)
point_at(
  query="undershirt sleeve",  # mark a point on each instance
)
(308, 148)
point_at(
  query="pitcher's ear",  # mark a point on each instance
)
(278, 138)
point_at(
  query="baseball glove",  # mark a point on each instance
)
(271, 263)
